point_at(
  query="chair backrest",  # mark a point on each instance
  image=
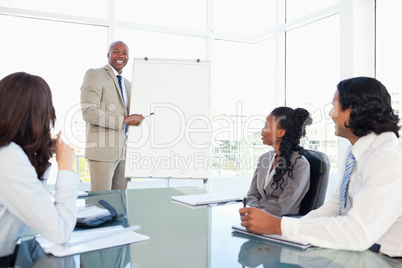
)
(319, 173)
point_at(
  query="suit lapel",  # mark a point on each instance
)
(264, 172)
(116, 83)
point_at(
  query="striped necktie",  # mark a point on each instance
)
(350, 161)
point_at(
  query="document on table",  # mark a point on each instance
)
(273, 238)
(89, 213)
(204, 199)
(93, 239)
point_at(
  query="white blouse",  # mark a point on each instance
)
(25, 201)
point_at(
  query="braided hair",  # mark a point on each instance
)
(294, 121)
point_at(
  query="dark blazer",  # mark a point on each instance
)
(276, 201)
(103, 110)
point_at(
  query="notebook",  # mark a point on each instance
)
(274, 238)
(204, 199)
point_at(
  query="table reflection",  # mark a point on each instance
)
(30, 254)
(255, 252)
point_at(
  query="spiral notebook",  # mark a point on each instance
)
(274, 238)
(205, 199)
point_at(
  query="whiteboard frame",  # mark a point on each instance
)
(145, 93)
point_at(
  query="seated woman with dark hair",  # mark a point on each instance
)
(28, 115)
(282, 176)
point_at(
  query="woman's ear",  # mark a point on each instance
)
(281, 133)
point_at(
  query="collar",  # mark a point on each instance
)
(362, 144)
(114, 71)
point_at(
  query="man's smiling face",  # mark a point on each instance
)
(118, 56)
(340, 118)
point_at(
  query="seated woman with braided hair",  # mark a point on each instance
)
(282, 176)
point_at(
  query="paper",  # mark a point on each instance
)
(93, 239)
(204, 199)
(274, 238)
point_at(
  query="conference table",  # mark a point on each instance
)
(185, 236)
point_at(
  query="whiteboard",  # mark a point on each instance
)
(174, 141)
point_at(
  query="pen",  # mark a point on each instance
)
(244, 201)
(149, 115)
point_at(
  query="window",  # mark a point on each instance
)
(187, 14)
(71, 7)
(312, 73)
(60, 53)
(243, 94)
(296, 9)
(388, 50)
(244, 18)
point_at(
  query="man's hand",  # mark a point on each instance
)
(260, 222)
(133, 119)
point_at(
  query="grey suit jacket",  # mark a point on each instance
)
(273, 200)
(103, 110)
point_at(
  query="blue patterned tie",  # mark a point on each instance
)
(121, 86)
(350, 161)
(122, 95)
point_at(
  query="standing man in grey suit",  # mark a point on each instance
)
(105, 100)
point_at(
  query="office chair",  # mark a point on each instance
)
(319, 174)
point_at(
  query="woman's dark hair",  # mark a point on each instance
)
(27, 115)
(294, 122)
(370, 103)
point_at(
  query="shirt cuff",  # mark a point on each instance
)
(68, 179)
(290, 227)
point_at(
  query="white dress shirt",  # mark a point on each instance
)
(122, 84)
(25, 201)
(374, 208)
